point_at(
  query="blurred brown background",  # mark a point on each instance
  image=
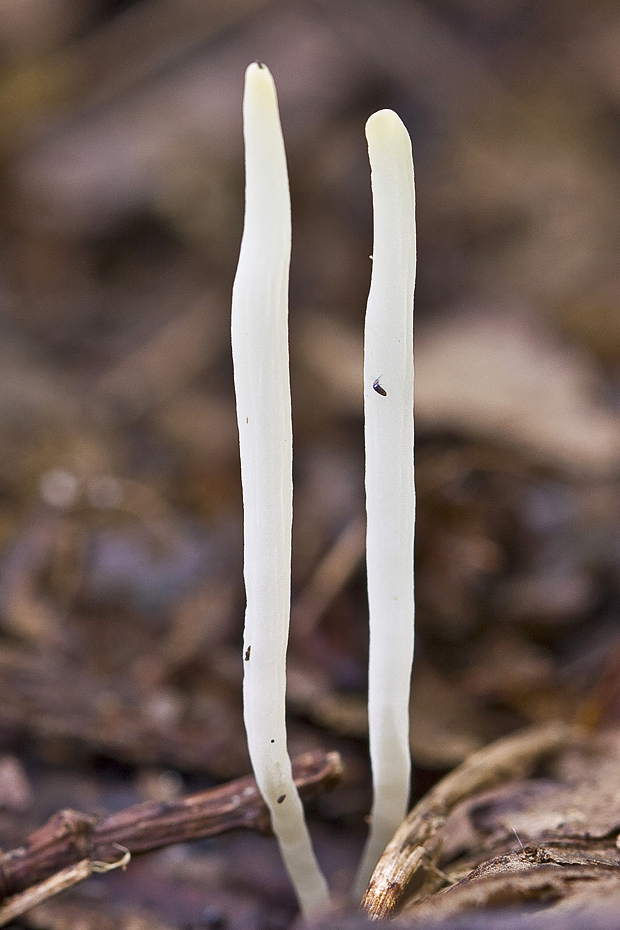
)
(121, 597)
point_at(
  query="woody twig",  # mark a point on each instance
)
(75, 844)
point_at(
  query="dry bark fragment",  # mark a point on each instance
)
(414, 844)
(549, 842)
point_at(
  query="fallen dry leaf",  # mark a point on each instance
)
(506, 379)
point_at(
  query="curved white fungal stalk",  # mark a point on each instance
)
(261, 368)
(390, 491)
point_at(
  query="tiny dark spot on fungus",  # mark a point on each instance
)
(247, 419)
(273, 740)
(281, 798)
(247, 653)
(378, 388)
(260, 64)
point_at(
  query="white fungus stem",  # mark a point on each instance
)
(390, 491)
(261, 369)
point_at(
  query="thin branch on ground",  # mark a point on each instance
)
(74, 842)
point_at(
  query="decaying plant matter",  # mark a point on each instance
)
(72, 845)
(532, 819)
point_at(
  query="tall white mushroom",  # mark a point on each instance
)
(390, 491)
(261, 370)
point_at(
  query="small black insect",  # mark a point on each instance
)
(247, 653)
(377, 387)
(281, 798)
